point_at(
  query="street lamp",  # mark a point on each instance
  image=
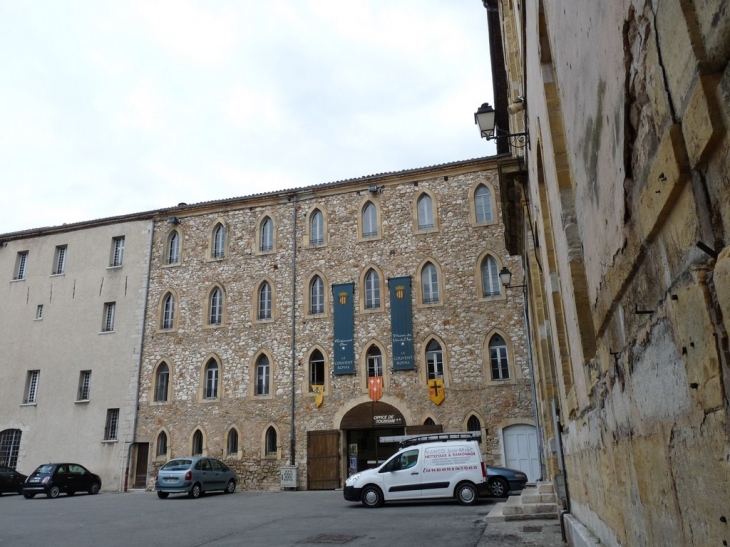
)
(484, 117)
(506, 276)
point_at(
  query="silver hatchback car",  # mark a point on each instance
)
(194, 476)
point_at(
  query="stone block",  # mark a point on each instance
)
(677, 48)
(702, 123)
(667, 178)
(722, 285)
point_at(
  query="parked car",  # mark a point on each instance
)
(52, 479)
(424, 468)
(194, 476)
(11, 480)
(502, 480)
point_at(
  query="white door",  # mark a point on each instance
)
(520, 450)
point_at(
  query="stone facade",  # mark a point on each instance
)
(56, 336)
(463, 322)
(623, 227)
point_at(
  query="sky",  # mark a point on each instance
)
(115, 107)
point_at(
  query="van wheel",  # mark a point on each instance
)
(466, 494)
(371, 496)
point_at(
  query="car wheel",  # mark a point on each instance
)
(163, 495)
(70, 493)
(466, 493)
(195, 491)
(498, 487)
(53, 492)
(28, 495)
(231, 487)
(371, 496)
(94, 488)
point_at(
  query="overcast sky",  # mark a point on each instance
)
(109, 108)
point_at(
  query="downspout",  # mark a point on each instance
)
(139, 363)
(292, 435)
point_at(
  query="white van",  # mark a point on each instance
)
(444, 465)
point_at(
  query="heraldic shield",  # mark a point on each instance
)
(318, 395)
(375, 388)
(436, 391)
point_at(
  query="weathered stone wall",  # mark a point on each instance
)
(629, 105)
(462, 321)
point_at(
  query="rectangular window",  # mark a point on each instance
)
(112, 424)
(31, 386)
(21, 262)
(108, 321)
(117, 255)
(59, 261)
(39, 312)
(84, 385)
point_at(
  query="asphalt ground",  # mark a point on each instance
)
(254, 519)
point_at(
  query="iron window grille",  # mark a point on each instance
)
(84, 385)
(20, 265)
(112, 424)
(109, 311)
(59, 264)
(31, 387)
(117, 251)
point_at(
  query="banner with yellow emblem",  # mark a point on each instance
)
(318, 395)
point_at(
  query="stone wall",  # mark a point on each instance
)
(462, 322)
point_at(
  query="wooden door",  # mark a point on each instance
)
(140, 470)
(323, 460)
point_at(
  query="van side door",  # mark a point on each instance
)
(402, 476)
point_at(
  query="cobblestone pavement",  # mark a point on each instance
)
(542, 533)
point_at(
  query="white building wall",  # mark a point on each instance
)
(68, 340)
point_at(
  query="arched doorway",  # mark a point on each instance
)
(363, 425)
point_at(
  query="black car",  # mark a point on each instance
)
(53, 478)
(11, 480)
(502, 479)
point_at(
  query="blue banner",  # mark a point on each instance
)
(344, 327)
(401, 319)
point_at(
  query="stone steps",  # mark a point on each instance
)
(535, 502)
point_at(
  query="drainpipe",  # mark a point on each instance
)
(292, 435)
(526, 315)
(139, 362)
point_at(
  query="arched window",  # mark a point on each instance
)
(372, 290)
(491, 285)
(232, 442)
(316, 228)
(374, 361)
(265, 301)
(316, 369)
(172, 253)
(215, 317)
(316, 296)
(429, 284)
(162, 445)
(197, 443)
(498, 358)
(271, 442)
(474, 424)
(429, 421)
(9, 447)
(162, 382)
(168, 311)
(425, 212)
(369, 221)
(263, 370)
(219, 242)
(211, 379)
(434, 360)
(483, 204)
(266, 242)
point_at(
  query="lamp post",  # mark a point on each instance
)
(506, 276)
(484, 117)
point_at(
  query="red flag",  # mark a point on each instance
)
(375, 388)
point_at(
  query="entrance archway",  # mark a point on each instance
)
(363, 425)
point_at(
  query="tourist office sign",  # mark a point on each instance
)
(387, 419)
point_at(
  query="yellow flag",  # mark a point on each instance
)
(318, 395)
(436, 390)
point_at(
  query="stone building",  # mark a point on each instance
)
(273, 321)
(619, 207)
(71, 320)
